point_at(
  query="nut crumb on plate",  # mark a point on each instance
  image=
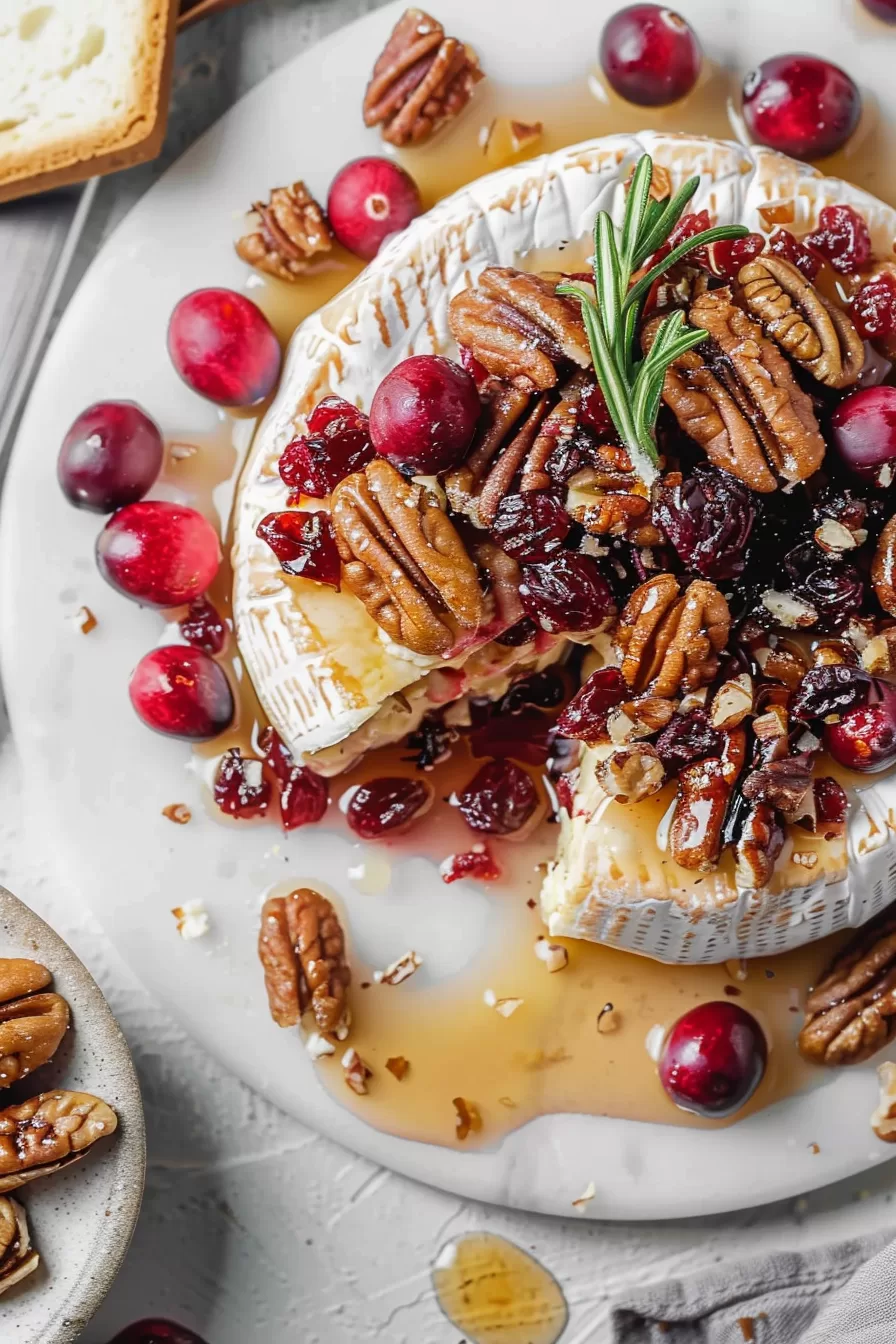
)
(883, 1118)
(400, 970)
(179, 813)
(398, 1066)
(192, 920)
(82, 621)
(585, 1197)
(356, 1072)
(469, 1121)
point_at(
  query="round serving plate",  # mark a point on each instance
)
(97, 780)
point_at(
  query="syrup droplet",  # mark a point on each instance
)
(491, 1289)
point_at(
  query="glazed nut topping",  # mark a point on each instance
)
(422, 79)
(851, 1012)
(404, 559)
(291, 231)
(469, 1121)
(31, 1031)
(47, 1132)
(732, 702)
(355, 1072)
(504, 441)
(761, 841)
(704, 792)
(883, 1118)
(883, 568)
(879, 654)
(18, 1258)
(670, 642)
(302, 949)
(632, 774)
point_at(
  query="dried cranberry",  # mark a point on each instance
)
(304, 543)
(726, 257)
(585, 717)
(478, 864)
(431, 741)
(523, 735)
(203, 627)
(834, 588)
(522, 633)
(687, 738)
(156, 1331)
(567, 593)
(783, 244)
(842, 237)
(499, 799)
(708, 518)
(387, 805)
(304, 795)
(594, 413)
(241, 789)
(831, 807)
(687, 227)
(530, 527)
(542, 690)
(337, 443)
(873, 309)
(831, 689)
(571, 453)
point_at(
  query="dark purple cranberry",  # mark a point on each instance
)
(873, 310)
(567, 593)
(570, 454)
(834, 588)
(241, 789)
(585, 717)
(499, 799)
(831, 807)
(522, 633)
(688, 738)
(110, 456)
(336, 444)
(304, 543)
(594, 413)
(831, 689)
(478, 864)
(713, 1059)
(387, 806)
(182, 692)
(783, 244)
(708, 518)
(865, 737)
(801, 105)
(882, 9)
(203, 627)
(525, 736)
(842, 238)
(531, 526)
(156, 1331)
(650, 55)
(541, 690)
(864, 434)
(304, 795)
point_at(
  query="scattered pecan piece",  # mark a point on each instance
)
(355, 1072)
(302, 949)
(179, 813)
(404, 559)
(761, 841)
(817, 335)
(669, 642)
(507, 138)
(782, 784)
(518, 327)
(469, 1121)
(732, 702)
(292, 229)
(398, 1066)
(704, 791)
(630, 775)
(879, 654)
(48, 1132)
(422, 79)
(883, 568)
(18, 1258)
(883, 1117)
(851, 1012)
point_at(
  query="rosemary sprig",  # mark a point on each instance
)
(632, 383)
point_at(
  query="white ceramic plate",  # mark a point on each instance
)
(81, 1220)
(98, 780)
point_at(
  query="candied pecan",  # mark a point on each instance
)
(883, 569)
(704, 792)
(851, 1012)
(518, 327)
(48, 1132)
(813, 332)
(403, 558)
(292, 229)
(31, 1030)
(18, 1258)
(499, 449)
(617, 513)
(671, 642)
(356, 1072)
(302, 949)
(782, 783)
(421, 80)
(20, 976)
(554, 436)
(760, 843)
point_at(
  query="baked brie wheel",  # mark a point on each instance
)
(642, 861)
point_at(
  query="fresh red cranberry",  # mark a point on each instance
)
(387, 806)
(369, 200)
(865, 737)
(864, 434)
(708, 517)
(873, 310)
(688, 738)
(525, 736)
(650, 55)
(156, 1332)
(833, 688)
(499, 799)
(337, 443)
(423, 414)
(531, 526)
(882, 9)
(157, 553)
(304, 543)
(182, 692)
(783, 244)
(304, 795)
(831, 807)
(478, 864)
(110, 456)
(223, 347)
(203, 627)
(726, 257)
(566, 593)
(594, 413)
(801, 105)
(241, 789)
(585, 717)
(713, 1059)
(478, 372)
(842, 238)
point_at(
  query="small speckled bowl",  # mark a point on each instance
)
(82, 1219)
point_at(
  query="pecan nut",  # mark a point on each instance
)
(502, 444)
(518, 327)
(421, 80)
(670, 642)
(18, 1258)
(403, 558)
(851, 1012)
(760, 843)
(292, 230)
(883, 568)
(783, 784)
(32, 1023)
(48, 1132)
(302, 949)
(704, 792)
(630, 775)
(813, 332)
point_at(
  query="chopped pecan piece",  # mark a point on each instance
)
(704, 791)
(669, 642)
(403, 558)
(782, 783)
(851, 1012)
(518, 327)
(292, 229)
(356, 1072)
(422, 79)
(302, 949)
(813, 332)
(883, 568)
(500, 448)
(617, 513)
(883, 1117)
(469, 1120)
(18, 1258)
(761, 841)
(630, 775)
(48, 1132)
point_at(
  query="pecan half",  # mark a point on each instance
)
(302, 949)
(48, 1132)
(851, 1012)
(781, 783)
(422, 79)
(31, 1030)
(817, 335)
(616, 512)
(760, 843)
(292, 229)
(502, 444)
(518, 327)
(18, 1258)
(704, 791)
(669, 642)
(403, 558)
(883, 568)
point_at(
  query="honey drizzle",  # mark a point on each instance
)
(492, 1290)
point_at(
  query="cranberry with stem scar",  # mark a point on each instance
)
(424, 414)
(159, 554)
(801, 105)
(387, 806)
(224, 348)
(370, 199)
(713, 1059)
(182, 692)
(650, 55)
(499, 799)
(110, 456)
